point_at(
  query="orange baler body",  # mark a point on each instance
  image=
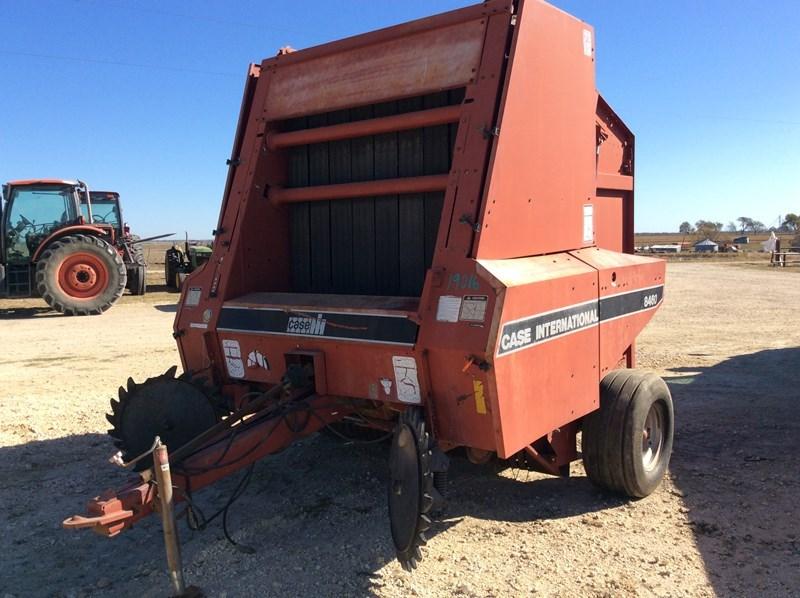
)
(441, 214)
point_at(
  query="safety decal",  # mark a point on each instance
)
(588, 223)
(233, 358)
(193, 296)
(406, 380)
(540, 328)
(256, 359)
(448, 308)
(473, 308)
(480, 399)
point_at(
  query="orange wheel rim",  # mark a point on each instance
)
(82, 276)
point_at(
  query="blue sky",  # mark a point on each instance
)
(142, 97)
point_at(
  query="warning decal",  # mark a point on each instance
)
(406, 380)
(233, 358)
(473, 308)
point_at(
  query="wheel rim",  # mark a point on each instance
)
(653, 437)
(82, 276)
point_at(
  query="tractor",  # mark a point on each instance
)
(51, 249)
(67, 244)
(179, 262)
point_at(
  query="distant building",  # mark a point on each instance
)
(741, 240)
(707, 245)
(665, 248)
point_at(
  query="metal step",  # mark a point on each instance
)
(19, 280)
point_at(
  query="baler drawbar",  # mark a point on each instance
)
(427, 230)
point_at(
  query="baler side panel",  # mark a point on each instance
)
(460, 390)
(542, 169)
(614, 163)
(631, 289)
(226, 270)
(543, 376)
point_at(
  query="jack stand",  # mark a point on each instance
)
(171, 542)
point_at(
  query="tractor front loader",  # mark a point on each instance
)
(426, 230)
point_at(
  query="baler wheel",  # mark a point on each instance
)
(175, 409)
(627, 442)
(411, 489)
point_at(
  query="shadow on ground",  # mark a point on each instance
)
(737, 463)
(312, 531)
(23, 313)
(169, 308)
(316, 513)
(160, 288)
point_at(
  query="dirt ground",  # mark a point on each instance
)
(724, 523)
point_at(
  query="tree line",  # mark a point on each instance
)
(711, 230)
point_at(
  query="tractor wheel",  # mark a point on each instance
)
(137, 279)
(138, 254)
(80, 275)
(171, 265)
(137, 269)
(627, 442)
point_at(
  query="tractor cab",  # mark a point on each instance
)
(104, 210)
(33, 211)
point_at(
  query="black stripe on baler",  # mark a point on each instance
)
(628, 303)
(356, 327)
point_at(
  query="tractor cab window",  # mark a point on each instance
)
(33, 213)
(104, 211)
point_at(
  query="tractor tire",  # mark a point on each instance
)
(137, 279)
(137, 270)
(171, 267)
(138, 254)
(79, 275)
(627, 442)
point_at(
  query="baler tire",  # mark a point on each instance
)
(65, 260)
(613, 403)
(591, 437)
(640, 481)
(613, 434)
(619, 393)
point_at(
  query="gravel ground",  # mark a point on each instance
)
(724, 523)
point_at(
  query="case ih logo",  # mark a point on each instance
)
(302, 325)
(540, 328)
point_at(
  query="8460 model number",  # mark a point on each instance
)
(650, 300)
